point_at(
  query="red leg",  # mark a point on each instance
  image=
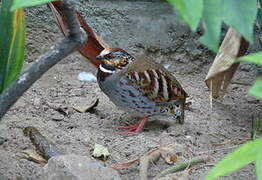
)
(134, 129)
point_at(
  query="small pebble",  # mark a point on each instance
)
(86, 76)
(2, 140)
(167, 66)
(57, 117)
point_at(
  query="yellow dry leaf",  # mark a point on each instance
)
(32, 155)
(88, 108)
(101, 152)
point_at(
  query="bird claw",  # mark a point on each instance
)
(131, 129)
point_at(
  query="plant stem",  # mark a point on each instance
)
(182, 165)
(56, 53)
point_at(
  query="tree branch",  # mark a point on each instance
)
(56, 53)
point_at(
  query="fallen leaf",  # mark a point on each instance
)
(224, 66)
(31, 155)
(145, 161)
(62, 109)
(101, 152)
(169, 155)
(83, 109)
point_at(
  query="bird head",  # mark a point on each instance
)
(114, 60)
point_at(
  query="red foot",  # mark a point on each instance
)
(134, 129)
(131, 129)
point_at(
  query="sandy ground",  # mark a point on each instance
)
(209, 131)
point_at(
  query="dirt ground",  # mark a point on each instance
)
(207, 131)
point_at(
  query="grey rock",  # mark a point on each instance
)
(2, 140)
(75, 167)
(57, 117)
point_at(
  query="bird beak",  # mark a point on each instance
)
(99, 57)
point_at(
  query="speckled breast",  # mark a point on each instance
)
(126, 96)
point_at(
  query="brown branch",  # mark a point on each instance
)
(56, 53)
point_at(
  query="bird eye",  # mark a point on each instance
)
(108, 56)
(164, 110)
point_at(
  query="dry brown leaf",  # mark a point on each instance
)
(32, 155)
(169, 155)
(223, 67)
(62, 109)
(89, 108)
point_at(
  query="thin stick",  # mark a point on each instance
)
(221, 149)
(182, 165)
(72, 42)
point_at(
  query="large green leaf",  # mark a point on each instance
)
(27, 3)
(259, 166)
(242, 156)
(12, 43)
(212, 23)
(255, 58)
(256, 89)
(241, 15)
(189, 10)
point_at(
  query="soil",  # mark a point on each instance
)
(208, 131)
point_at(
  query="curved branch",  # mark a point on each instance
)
(56, 53)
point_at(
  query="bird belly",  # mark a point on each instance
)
(128, 98)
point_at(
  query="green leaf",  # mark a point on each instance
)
(27, 3)
(12, 43)
(212, 23)
(255, 58)
(240, 15)
(189, 10)
(242, 156)
(256, 89)
(259, 166)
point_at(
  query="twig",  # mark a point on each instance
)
(230, 141)
(72, 42)
(221, 149)
(151, 156)
(182, 165)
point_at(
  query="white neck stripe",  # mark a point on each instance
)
(105, 70)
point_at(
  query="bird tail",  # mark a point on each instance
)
(93, 46)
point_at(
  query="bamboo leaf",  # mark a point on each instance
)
(256, 89)
(189, 10)
(255, 58)
(259, 166)
(242, 156)
(241, 16)
(12, 43)
(26, 3)
(212, 23)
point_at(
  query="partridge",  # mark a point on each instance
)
(140, 86)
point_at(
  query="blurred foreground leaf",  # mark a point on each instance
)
(241, 16)
(255, 58)
(256, 89)
(12, 43)
(212, 23)
(242, 156)
(27, 3)
(190, 11)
